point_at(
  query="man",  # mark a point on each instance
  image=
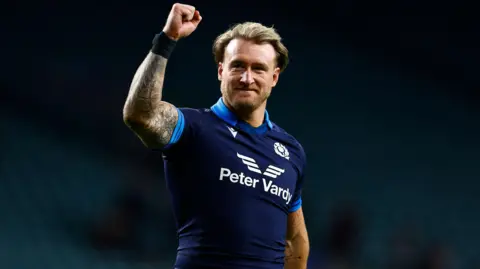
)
(235, 177)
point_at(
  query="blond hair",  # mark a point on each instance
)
(252, 31)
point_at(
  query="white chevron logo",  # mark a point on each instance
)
(233, 131)
(271, 171)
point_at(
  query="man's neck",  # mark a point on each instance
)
(255, 118)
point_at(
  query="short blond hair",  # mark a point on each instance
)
(256, 32)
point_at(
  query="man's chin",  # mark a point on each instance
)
(243, 104)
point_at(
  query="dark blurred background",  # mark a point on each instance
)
(382, 94)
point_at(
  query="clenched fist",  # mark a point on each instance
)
(182, 21)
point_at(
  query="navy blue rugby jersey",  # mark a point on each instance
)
(232, 187)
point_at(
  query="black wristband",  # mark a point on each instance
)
(163, 45)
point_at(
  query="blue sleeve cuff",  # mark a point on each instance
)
(177, 132)
(296, 205)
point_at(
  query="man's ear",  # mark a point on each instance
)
(276, 75)
(220, 71)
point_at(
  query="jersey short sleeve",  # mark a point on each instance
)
(297, 195)
(185, 127)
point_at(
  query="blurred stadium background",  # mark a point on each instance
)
(383, 95)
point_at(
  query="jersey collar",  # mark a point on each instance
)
(224, 113)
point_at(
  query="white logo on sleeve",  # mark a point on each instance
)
(281, 150)
(267, 185)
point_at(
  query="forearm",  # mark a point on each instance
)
(296, 252)
(297, 244)
(152, 119)
(145, 93)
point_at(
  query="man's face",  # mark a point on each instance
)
(247, 74)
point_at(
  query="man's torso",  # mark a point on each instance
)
(231, 192)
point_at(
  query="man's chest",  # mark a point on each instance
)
(242, 164)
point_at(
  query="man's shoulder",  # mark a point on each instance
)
(191, 122)
(287, 136)
(194, 113)
(288, 139)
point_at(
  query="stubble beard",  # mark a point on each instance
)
(243, 107)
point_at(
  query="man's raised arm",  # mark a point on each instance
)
(152, 119)
(145, 113)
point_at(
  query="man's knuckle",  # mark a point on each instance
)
(177, 6)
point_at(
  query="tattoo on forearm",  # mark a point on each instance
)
(151, 118)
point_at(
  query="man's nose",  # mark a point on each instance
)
(247, 77)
